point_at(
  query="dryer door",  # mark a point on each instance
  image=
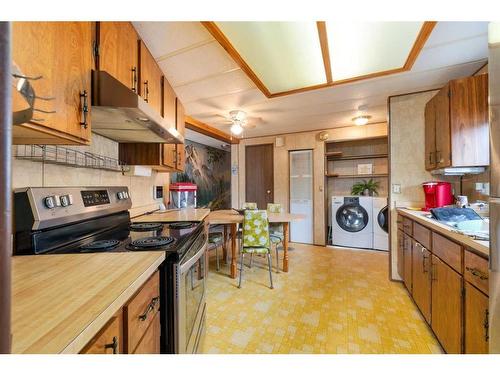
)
(383, 219)
(352, 217)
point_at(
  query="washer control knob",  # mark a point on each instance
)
(49, 202)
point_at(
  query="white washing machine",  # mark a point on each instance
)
(380, 218)
(351, 222)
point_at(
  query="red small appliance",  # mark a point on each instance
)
(183, 195)
(437, 194)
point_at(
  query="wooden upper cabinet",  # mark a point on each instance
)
(60, 53)
(169, 104)
(430, 134)
(469, 121)
(446, 305)
(150, 79)
(476, 321)
(118, 51)
(421, 280)
(456, 125)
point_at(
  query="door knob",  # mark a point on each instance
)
(268, 191)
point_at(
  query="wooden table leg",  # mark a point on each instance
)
(233, 251)
(224, 246)
(285, 247)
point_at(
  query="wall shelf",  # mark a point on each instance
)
(355, 157)
(377, 175)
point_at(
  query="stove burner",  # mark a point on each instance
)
(145, 227)
(152, 242)
(100, 245)
(180, 225)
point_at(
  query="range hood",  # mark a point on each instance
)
(458, 171)
(120, 114)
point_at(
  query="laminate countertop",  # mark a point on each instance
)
(169, 216)
(480, 247)
(59, 302)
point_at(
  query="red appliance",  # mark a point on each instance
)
(437, 194)
(183, 194)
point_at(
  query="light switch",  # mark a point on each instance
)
(396, 188)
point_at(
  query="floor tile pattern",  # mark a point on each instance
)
(331, 301)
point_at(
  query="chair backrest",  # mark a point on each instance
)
(249, 206)
(256, 229)
(275, 208)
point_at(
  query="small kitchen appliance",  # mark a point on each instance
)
(68, 220)
(437, 194)
(183, 195)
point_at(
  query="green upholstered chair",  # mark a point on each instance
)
(256, 238)
(275, 231)
(215, 240)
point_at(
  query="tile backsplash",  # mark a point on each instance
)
(29, 173)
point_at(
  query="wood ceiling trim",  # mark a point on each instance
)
(210, 131)
(418, 45)
(323, 41)
(226, 44)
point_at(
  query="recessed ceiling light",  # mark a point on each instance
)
(361, 120)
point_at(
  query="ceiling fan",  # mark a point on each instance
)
(239, 121)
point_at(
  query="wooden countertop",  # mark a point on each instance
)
(185, 214)
(481, 247)
(233, 217)
(59, 302)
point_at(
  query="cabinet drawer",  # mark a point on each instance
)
(449, 251)
(408, 226)
(476, 271)
(422, 235)
(140, 312)
(107, 341)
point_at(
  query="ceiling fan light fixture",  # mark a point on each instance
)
(236, 129)
(238, 115)
(361, 120)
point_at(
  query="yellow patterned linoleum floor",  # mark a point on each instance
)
(331, 301)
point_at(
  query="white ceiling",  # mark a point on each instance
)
(210, 83)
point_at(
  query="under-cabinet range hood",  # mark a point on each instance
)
(120, 114)
(458, 171)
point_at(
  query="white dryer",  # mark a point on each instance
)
(380, 218)
(351, 222)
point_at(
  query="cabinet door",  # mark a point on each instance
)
(401, 254)
(169, 104)
(476, 321)
(443, 130)
(169, 155)
(446, 317)
(151, 78)
(469, 121)
(107, 341)
(181, 158)
(421, 281)
(118, 51)
(430, 135)
(61, 53)
(150, 342)
(407, 262)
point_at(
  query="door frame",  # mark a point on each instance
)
(246, 168)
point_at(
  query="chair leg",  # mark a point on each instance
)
(241, 268)
(270, 271)
(277, 260)
(217, 256)
(251, 260)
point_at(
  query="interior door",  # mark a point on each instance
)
(301, 195)
(259, 175)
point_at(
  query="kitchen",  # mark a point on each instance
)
(221, 207)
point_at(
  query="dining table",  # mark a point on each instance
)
(233, 218)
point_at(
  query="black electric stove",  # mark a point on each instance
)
(95, 220)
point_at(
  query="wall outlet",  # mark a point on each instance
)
(396, 188)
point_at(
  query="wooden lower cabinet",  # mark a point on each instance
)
(421, 279)
(400, 253)
(476, 321)
(108, 340)
(446, 305)
(150, 342)
(407, 254)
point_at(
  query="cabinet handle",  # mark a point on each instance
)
(477, 273)
(150, 308)
(439, 157)
(113, 345)
(134, 79)
(175, 157)
(486, 325)
(146, 91)
(85, 108)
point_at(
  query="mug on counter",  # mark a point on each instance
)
(462, 201)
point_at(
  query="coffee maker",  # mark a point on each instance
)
(437, 194)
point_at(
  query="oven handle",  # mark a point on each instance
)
(187, 264)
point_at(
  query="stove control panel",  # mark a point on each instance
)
(95, 197)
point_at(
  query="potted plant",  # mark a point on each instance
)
(367, 188)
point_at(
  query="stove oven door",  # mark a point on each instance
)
(190, 299)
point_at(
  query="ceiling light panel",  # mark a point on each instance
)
(284, 55)
(361, 48)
